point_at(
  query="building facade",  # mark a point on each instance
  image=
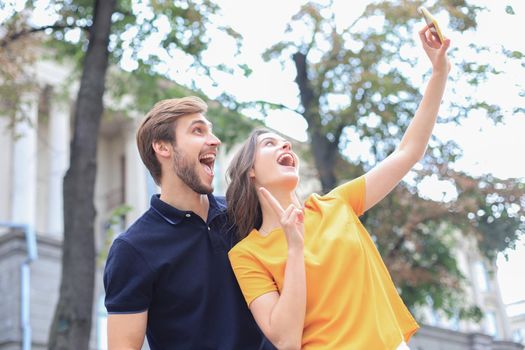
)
(516, 313)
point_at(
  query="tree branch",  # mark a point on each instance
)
(15, 36)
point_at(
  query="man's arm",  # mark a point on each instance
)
(126, 331)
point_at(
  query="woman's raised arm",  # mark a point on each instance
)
(381, 179)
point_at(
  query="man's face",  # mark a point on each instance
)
(194, 154)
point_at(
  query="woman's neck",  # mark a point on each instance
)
(270, 220)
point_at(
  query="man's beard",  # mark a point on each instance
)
(188, 174)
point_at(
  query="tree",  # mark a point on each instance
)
(71, 325)
(93, 33)
(354, 85)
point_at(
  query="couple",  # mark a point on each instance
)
(309, 273)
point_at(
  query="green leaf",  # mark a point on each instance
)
(247, 71)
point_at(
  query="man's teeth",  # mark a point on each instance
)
(207, 157)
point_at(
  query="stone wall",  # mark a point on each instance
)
(44, 287)
(434, 338)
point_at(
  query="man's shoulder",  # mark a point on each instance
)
(221, 201)
(144, 238)
(142, 226)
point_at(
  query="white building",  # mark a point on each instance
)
(492, 332)
(35, 154)
(516, 312)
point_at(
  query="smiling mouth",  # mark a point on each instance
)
(208, 160)
(286, 159)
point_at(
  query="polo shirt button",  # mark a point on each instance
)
(209, 228)
(188, 215)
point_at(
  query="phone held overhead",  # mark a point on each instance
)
(432, 24)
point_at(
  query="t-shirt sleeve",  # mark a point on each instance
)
(352, 192)
(254, 279)
(128, 280)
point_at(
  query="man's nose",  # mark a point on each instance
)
(213, 140)
(287, 145)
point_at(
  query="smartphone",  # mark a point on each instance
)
(432, 24)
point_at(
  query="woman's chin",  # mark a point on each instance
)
(288, 182)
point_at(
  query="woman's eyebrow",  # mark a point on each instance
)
(273, 138)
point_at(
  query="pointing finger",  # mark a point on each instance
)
(274, 204)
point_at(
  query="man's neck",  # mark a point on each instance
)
(179, 195)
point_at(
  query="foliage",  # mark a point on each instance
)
(15, 79)
(148, 87)
(180, 29)
(113, 223)
(357, 84)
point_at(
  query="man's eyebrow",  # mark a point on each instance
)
(198, 121)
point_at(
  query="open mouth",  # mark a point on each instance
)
(208, 160)
(286, 159)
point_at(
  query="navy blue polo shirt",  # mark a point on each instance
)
(175, 265)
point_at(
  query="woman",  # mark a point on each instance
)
(311, 275)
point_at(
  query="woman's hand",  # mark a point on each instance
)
(291, 219)
(436, 51)
(280, 315)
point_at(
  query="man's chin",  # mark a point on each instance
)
(203, 188)
(207, 191)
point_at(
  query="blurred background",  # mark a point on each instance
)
(342, 79)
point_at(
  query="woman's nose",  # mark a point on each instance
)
(287, 145)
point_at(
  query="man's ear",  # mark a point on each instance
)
(162, 148)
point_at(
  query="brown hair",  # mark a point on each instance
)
(159, 125)
(244, 209)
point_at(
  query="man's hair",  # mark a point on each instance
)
(159, 125)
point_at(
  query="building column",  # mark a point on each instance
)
(59, 136)
(24, 163)
(136, 176)
(503, 319)
(6, 145)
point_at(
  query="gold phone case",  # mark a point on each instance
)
(432, 24)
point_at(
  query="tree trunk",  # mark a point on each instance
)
(71, 325)
(325, 156)
(325, 151)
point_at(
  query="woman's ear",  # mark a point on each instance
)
(162, 148)
(251, 173)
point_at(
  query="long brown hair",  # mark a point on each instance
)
(244, 209)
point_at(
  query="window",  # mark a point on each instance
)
(518, 336)
(491, 324)
(481, 276)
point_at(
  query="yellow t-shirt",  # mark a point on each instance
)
(351, 301)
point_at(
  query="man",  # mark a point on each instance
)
(168, 276)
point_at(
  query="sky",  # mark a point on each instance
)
(486, 148)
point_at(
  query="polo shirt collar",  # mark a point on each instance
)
(175, 216)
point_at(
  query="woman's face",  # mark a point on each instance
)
(275, 163)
